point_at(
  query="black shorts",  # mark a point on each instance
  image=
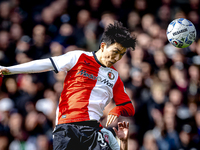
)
(79, 136)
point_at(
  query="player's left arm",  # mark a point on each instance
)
(123, 103)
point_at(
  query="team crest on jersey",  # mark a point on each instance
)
(111, 76)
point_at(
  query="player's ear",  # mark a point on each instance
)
(103, 46)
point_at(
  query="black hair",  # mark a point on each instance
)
(117, 33)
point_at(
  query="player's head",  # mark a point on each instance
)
(117, 33)
(114, 43)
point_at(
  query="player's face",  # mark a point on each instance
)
(111, 54)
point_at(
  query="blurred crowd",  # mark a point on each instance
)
(162, 81)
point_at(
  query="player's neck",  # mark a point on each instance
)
(98, 55)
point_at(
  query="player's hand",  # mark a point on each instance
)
(123, 131)
(3, 71)
(110, 119)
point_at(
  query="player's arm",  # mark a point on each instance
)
(122, 134)
(123, 103)
(35, 66)
(57, 63)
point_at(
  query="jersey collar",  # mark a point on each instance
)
(95, 57)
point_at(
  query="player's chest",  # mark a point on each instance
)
(89, 71)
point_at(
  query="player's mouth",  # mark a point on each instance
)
(111, 62)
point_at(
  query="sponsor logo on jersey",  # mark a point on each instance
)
(181, 31)
(111, 76)
(91, 76)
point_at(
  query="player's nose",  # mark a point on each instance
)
(118, 57)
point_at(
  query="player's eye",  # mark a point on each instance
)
(122, 54)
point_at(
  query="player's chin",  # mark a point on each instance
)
(110, 63)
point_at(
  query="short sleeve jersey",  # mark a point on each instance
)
(88, 87)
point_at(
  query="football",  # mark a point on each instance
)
(181, 33)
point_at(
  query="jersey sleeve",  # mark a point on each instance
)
(123, 103)
(35, 66)
(66, 61)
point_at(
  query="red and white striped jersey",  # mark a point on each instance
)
(88, 88)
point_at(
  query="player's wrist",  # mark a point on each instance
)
(123, 144)
(4, 71)
(124, 140)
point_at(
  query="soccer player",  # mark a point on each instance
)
(91, 82)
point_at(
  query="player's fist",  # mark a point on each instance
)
(3, 71)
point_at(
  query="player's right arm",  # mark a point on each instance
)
(35, 66)
(57, 63)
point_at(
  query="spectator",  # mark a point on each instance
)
(83, 19)
(39, 46)
(66, 35)
(185, 138)
(5, 10)
(170, 125)
(147, 21)
(194, 74)
(149, 142)
(4, 142)
(197, 135)
(133, 20)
